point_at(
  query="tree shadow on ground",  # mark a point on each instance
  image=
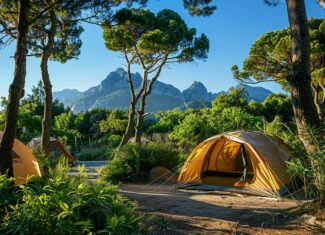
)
(179, 206)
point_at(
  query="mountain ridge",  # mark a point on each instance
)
(113, 93)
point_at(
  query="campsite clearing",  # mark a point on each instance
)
(171, 211)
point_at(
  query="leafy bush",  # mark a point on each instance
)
(114, 140)
(6, 193)
(201, 124)
(61, 204)
(131, 163)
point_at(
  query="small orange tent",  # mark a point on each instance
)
(24, 162)
(243, 161)
(55, 147)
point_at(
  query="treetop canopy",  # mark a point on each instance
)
(151, 35)
(270, 55)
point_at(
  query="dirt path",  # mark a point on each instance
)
(177, 212)
(170, 211)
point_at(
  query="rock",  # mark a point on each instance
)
(312, 221)
(160, 174)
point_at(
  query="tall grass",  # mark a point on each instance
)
(92, 153)
(306, 167)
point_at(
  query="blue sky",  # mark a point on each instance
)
(231, 29)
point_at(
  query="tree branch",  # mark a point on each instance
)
(129, 74)
(156, 75)
(7, 30)
(48, 8)
(249, 81)
(140, 58)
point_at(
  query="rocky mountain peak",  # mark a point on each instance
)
(198, 86)
(118, 79)
(197, 91)
(114, 93)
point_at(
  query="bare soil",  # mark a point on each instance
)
(170, 211)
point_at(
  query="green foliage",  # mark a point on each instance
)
(307, 167)
(270, 59)
(152, 41)
(277, 104)
(114, 140)
(152, 36)
(91, 153)
(65, 121)
(131, 163)
(310, 169)
(88, 123)
(7, 193)
(236, 118)
(192, 130)
(67, 41)
(47, 161)
(116, 122)
(31, 112)
(30, 125)
(236, 97)
(98, 130)
(204, 123)
(166, 121)
(62, 204)
(199, 7)
(274, 106)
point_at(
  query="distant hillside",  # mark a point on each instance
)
(256, 93)
(68, 96)
(113, 93)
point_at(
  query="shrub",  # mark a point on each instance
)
(131, 163)
(62, 204)
(6, 193)
(114, 140)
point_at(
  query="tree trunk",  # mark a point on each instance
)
(138, 127)
(299, 79)
(47, 115)
(319, 102)
(47, 87)
(128, 132)
(147, 91)
(134, 99)
(16, 90)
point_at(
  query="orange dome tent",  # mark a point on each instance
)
(24, 162)
(240, 161)
(55, 147)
